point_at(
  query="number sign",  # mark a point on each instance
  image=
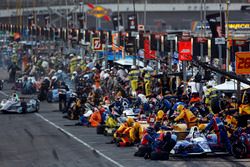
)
(243, 63)
(96, 44)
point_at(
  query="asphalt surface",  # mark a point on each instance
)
(45, 139)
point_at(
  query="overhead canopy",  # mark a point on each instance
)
(231, 85)
(195, 87)
(129, 62)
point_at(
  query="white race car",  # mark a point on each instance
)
(13, 105)
(194, 144)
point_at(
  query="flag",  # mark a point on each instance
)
(90, 5)
(107, 18)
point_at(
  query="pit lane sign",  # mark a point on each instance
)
(220, 41)
(242, 63)
(97, 45)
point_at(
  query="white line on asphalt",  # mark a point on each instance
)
(1, 92)
(79, 140)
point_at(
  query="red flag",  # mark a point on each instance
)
(185, 50)
(107, 18)
(90, 5)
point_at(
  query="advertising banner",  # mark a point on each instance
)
(185, 50)
(132, 23)
(148, 53)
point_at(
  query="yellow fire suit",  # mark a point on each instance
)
(210, 94)
(136, 132)
(134, 77)
(244, 109)
(73, 64)
(188, 116)
(147, 82)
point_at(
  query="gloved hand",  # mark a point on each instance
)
(203, 131)
(174, 122)
(123, 135)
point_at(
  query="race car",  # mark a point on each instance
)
(130, 112)
(53, 95)
(28, 87)
(24, 105)
(1, 84)
(194, 144)
(241, 144)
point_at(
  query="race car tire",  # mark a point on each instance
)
(49, 99)
(215, 105)
(37, 108)
(105, 133)
(1, 85)
(4, 112)
(71, 115)
(100, 129)
(142, 151)
(60, 106)
(159, 155)
(42, 95)
(239, 150)
(24, 107)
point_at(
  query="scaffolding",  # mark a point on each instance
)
(69, 16)
(19, 11)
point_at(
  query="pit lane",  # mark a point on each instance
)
(28, 140)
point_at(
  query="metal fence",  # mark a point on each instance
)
(5, 4)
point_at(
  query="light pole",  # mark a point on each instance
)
(96, 19)
(202, 35)
(135, 43)
(157, 53)
(220, 46)
(118, 19)
(106, 50)
(227, 35)
(145, 14)
(67, 23)
(118, 13)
